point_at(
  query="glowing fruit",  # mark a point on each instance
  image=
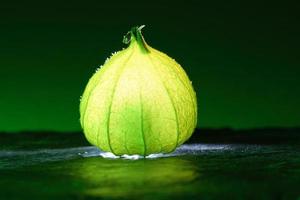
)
(140, 102)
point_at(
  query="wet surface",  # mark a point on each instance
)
(196, 170)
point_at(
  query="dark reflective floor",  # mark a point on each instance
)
(207, 171)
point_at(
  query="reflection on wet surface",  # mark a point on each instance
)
(193, 170)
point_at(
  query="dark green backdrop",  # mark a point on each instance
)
(243, 58)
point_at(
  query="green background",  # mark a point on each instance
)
(243, 58)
